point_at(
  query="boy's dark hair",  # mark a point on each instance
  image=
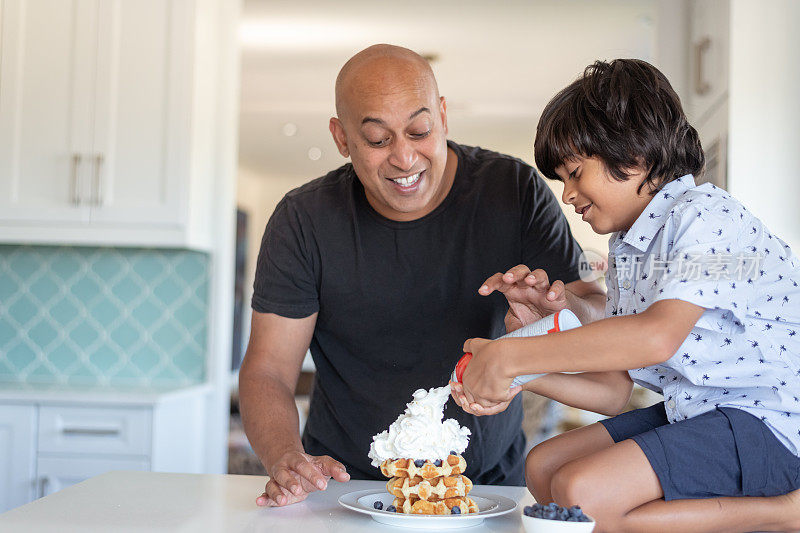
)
(626, 113)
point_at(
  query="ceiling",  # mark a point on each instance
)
(497, 63)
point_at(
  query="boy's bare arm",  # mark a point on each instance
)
(618, 343)
(606, 393)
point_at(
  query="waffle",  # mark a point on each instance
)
(444, 507)
(452, 466)
(432, 490)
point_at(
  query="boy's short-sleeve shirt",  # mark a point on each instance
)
(700, 245)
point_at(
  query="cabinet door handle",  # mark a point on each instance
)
(701, 86)
(91, 432)
(44, 481)
(75, 179)
(98, 194)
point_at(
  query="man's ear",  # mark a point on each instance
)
(339, 137)
(443, 112)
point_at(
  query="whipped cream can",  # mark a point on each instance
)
(560, 321)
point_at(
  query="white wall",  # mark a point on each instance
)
(764, 120)
(257, 195)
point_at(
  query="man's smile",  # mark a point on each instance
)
(407, 183)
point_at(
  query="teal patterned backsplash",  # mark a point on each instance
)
(103, 316)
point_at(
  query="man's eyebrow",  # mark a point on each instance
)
(381, 122)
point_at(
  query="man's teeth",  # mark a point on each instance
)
(406, 182)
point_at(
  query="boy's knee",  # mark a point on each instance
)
(540, 463)
(539, 467)
(571, 486)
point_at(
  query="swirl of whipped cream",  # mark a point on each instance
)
(420, 433)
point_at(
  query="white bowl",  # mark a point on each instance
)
(542, 525)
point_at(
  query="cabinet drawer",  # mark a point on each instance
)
(106, 430)
(56, 473)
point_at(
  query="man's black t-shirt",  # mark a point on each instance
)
(397, 300)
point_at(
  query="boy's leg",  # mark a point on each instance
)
(547, 457)
(618, 487)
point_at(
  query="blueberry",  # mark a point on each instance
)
(391, 509)
(378, 505)
(437, 462)
(563, 514)
(452, 452)
(455, 510)
(575, 510)
(419, 462)
(538, 506)
(553, 506)
(584, 518)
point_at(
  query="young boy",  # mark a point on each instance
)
(702, 307)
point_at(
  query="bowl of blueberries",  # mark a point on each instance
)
(552, 518)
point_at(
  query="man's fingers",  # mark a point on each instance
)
(275, 493)
(493, 283)
(283, 477)
(265, 501)
(542, 281)
(515, 274)
(556, 291)
(333, 468)
(311, 472)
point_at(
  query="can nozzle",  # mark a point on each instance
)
(458, 372)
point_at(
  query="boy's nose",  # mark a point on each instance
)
(568, 196)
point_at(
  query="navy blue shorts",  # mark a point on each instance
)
(724, 452)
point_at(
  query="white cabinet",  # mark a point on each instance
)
(709, 23)
(707, 107)
(44, 111)
(51, 442)
(141, 112)
(17, 455)
(56, 473)
(100, 106)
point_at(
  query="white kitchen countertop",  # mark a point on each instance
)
(155, 502)
(62, 394)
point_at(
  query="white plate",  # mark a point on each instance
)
(489, 505)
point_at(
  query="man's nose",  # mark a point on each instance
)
(403, 154)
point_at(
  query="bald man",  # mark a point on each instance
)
(376, 267)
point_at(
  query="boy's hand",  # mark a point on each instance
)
(484, 381)
(457, 392)
(530, 295)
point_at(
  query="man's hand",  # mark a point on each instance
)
(530, 295)
(295, 475)
(485, 386)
